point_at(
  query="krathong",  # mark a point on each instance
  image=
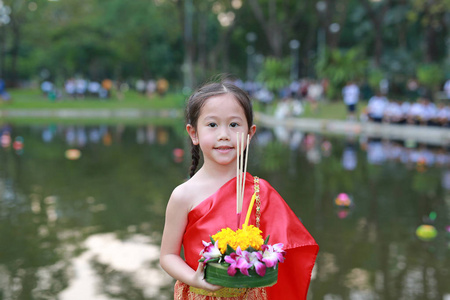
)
(243, 250)
(241, 258)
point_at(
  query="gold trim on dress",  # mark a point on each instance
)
(225, 292)
(257, 200)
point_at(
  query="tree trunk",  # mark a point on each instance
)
(2, 50)
(431, 47)
(222, 50)
(402, 31)
(378, 51)
(202, 50)
(340, 16)
(14, 51)
(377, 23)
(186, 9)
(270, 26)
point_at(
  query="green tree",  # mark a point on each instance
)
(340, 66)
(431, 17)
(275, 73)
(131, 39)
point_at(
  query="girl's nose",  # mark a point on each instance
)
(224, 134)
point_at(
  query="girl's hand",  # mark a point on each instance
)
(200, 279)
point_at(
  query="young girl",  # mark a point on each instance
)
(206, 203)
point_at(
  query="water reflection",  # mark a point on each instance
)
(118, 268)
(59, 216)
(90, 228)
(81, 135)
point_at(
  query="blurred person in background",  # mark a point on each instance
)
(393, 113)
(70, 88)
(405, 106)
(376, 107)
(93, 88)
(81, 87)
(150, 88)
(416, 112)
(294, 89)
(442, 115)
(162, 85)
(429, 112)
(314, 94)
(447, 89)
(140, 86)
(350, 94)
(107, 85)
(46, 87)
(4, 95)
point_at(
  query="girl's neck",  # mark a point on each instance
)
(223, 173)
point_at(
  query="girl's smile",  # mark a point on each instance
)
(224, 149)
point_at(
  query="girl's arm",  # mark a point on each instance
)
(174, 228)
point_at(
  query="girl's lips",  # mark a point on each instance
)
(224, 149)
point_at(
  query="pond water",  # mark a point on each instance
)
(87, 223)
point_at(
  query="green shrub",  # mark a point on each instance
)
(430, 75)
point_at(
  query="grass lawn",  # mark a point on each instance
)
(32, 99)
(335, 110)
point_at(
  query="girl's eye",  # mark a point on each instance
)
(212, 124)
(234, 124)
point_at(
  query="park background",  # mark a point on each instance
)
(84, 179)
(187, 42)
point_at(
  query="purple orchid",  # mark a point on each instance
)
(238, 260)
(210, 251)
(272, 254)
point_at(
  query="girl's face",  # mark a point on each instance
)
(221, 117)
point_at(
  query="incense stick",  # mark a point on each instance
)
(241, 171)
(245, 166)
(237, 174)
(242, 183)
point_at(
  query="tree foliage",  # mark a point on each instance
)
(275, 73)
(430, 75)
(180, 39)
(341, 66)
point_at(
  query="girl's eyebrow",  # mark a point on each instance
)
(218, 117)
(207, 118)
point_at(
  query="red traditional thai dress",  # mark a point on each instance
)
(277, 220)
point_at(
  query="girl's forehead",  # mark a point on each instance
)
(222, 103)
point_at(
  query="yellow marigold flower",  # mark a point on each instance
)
(225, 236)
(249, 236)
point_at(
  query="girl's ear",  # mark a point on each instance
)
(192, 133)
(252, 131)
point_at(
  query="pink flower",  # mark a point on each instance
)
(238, 260)
(210, 251)
(272, 254)
(255, 259)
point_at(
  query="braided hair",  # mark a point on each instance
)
(198, 99)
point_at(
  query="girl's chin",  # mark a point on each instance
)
(225, 161)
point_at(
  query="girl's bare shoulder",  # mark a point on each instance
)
(191, 193)
(184, 194)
